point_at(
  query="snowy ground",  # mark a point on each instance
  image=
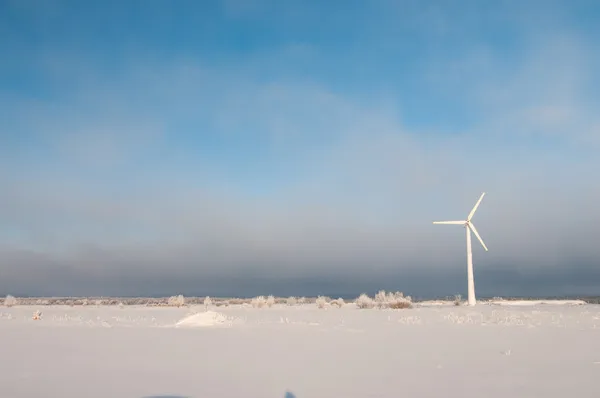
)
(303, 352)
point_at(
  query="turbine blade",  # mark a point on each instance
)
(450, 222)
(477, 235)
(475, 208)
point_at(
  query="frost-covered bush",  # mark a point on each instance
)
(392, 300)
(176, 301)
(259, 302)
(381, 298)
(384, 300)
(291, 301)
(364, 301)
(302, 300)
(457, 300)
(400, 302)
(9, 301)
(337, 303)
(321, 302)
(270, 301)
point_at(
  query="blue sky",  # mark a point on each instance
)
(265, 146)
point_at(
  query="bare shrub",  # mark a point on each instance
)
(400, 304)
(302, 300)
(138, 301)
(364, 301)
(291, 301)
(9, 301)
(224, 303)
(280, 300)
(176, 301)
(270, 301)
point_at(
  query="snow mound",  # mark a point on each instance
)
(536, 302)
(434, 303)
(203, 319)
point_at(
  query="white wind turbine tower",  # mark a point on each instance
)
(469, 227)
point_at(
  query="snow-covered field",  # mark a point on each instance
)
(541, 350)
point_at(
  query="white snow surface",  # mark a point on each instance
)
(300, 352)
(536, 302)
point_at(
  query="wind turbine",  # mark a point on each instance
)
(469, 227)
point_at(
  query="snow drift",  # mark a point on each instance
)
(203, 319)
